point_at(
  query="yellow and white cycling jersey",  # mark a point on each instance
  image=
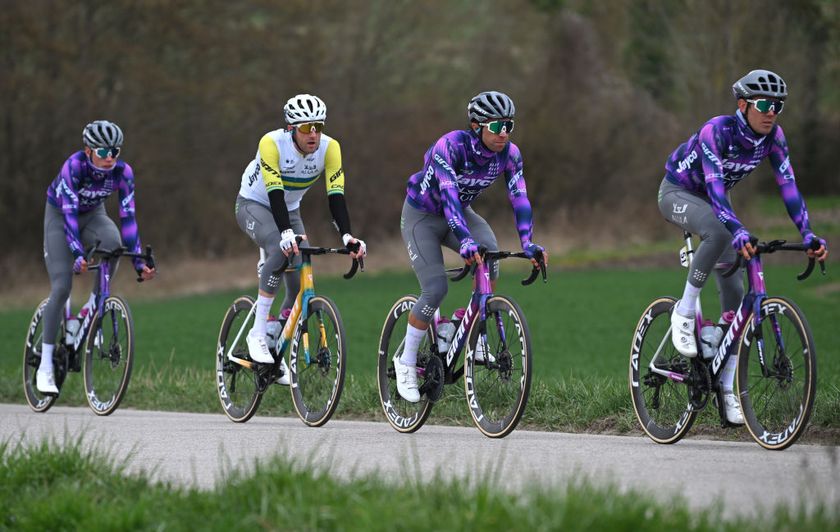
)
(279, 165)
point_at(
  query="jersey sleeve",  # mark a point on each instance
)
(793, 200)
(442, 161)
(333, 170)
(68, 200)
(270, 164)
(712, 144)
(128, 220)
(518, 196)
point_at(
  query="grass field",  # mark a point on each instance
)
(51, 488)
(581, 324)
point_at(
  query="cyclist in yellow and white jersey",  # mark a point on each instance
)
(287, 163)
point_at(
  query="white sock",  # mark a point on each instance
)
(413, 337)
(727, 376)
(687, 304)
(46, 356)
(261, 314)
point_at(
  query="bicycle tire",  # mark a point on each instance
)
(404, 416)
(317, 383)
(497, 389)
(109, 356)
(238, 405)
(776, 405)
(662, 405)
(40, 402)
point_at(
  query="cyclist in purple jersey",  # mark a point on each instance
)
(437, 211)
(75, 215)
(693, 195)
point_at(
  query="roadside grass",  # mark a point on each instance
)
(581, 325)
(70, 487)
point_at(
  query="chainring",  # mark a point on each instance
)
(699, 385)
(433, 381)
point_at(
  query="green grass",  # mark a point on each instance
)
(581, 323)
(48, 487)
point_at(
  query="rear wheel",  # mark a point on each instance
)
(498, 384)
(662, 404)
(777, 374)
(40, 402)
(317, 362)
(401, 414)
(109, 356)
(236, 384)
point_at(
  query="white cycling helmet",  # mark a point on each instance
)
(102, 134)
(304, 108)
(490, 105)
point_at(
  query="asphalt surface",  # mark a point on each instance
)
(199, 450)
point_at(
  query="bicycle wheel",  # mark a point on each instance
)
(316, 362)
(777, 374)
(109, 356)
(403, 416)
(237, 385)
(662, 405)
(40, 402)
(497, 388)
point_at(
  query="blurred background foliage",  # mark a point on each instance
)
(604, 92)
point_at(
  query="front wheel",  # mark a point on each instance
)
(662, 403)
(237, 385)
(109, 356)
(777, 374)
(40, 402)
(404, 416)
(317, 362)
(498, 380)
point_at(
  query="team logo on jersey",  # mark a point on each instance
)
(685, 164)
(680, 210)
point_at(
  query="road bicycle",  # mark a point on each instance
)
(314, 335)
(776, 375)
(105, 338)
(496, 388)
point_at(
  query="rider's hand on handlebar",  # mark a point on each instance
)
(469, 251)
(80, 265)
(357, 247)
(288, 244)
(741, 243)
(820, 253)
(532, 250)
(146, 273)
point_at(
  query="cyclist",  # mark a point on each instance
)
(437, 211)
(288, 162)
(75, 217)
(693, 195)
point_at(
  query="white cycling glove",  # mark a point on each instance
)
(347, 237)
(287, 241)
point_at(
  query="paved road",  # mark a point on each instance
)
(197, 450)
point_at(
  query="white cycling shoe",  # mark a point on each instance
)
(284, 378)
(682, 334)
(732, 408)
(45, 382)
(258, 348)
(481, 356)
(406, 380)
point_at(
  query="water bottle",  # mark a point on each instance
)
(445, 332)
(72, 330)
(273, 328)
(710, 337)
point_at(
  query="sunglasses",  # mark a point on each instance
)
(309, 126)
(763, 105)
(497, 126)
(104, 153)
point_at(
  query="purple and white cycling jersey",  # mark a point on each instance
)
(723, 152)
(80, 187)
(456, 169)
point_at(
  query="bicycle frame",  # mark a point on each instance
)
(754, 296)
(97, 304)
